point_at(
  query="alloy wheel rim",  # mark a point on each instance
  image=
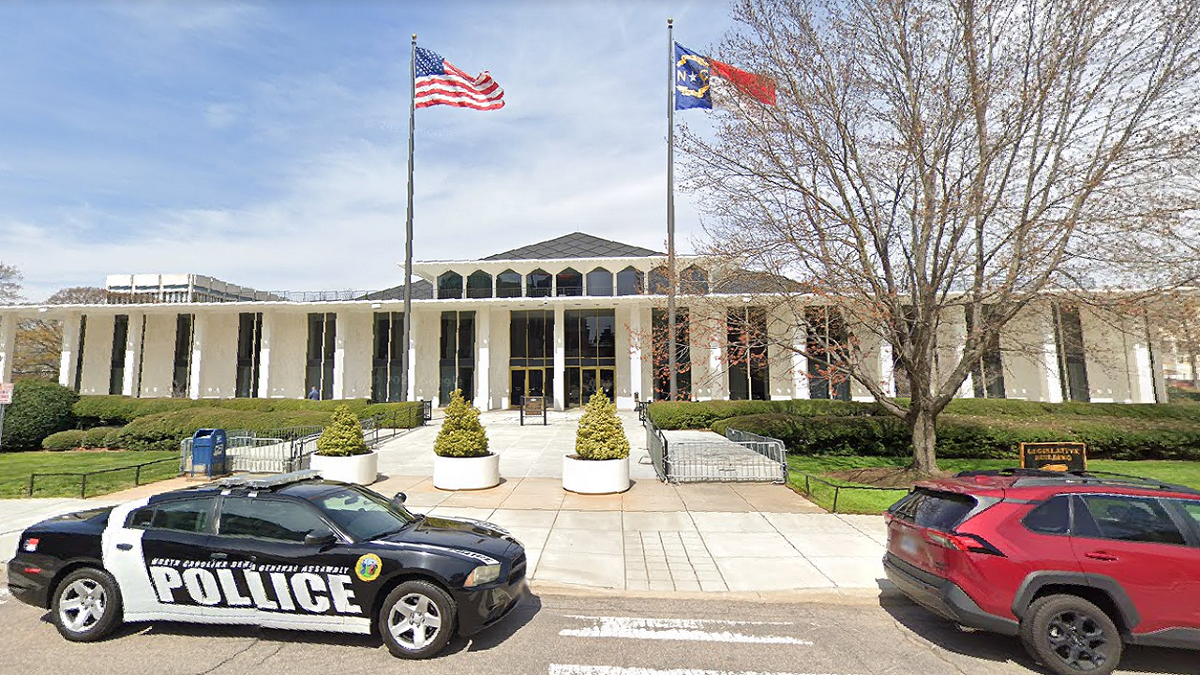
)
(1078, 640)
(414, 621)
(82, 605)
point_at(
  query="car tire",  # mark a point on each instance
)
(416, 620)
(87, 605)
(1070, 635)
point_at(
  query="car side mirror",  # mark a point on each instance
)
(400, 498)
(322, 537)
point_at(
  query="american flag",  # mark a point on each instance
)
(439, 83)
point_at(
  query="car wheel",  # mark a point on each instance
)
(1070, 635)
(87, 605)
(416, 620)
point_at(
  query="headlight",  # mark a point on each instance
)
(484, 574)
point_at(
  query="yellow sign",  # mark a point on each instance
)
(368, 567)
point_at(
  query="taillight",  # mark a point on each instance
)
(971, 543)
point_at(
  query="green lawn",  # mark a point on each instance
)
(15, 468)
(877, 501)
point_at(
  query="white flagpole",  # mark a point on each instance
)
(672, 358)
(408, 229)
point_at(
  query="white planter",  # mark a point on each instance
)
(357, 469)
(595, 477)
(466, 473)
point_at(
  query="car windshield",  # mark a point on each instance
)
(363, 514)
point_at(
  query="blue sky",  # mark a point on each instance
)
(266, 143)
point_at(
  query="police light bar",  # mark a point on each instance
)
(270, 481)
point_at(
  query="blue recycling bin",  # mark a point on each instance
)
(208, 452)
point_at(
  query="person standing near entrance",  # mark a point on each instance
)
(314, 395)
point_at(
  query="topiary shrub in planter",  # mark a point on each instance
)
(600, 464)
(463, 461)
(39, 408)
(342, 454)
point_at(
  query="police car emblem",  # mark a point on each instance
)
(368, 567)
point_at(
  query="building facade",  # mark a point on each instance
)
(561, 319)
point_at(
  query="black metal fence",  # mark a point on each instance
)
(811, 490)
(84, 475)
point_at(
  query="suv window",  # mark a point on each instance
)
(1052, 517)
(1192, 509)
(1127, 519)
(936, 510)
(182, 515)
(268, 519)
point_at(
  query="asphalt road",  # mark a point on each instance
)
(553, 634)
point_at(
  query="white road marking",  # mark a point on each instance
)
(694, 630)
(559, 669)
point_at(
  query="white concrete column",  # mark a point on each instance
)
(68, 358)
(1051, 372)
(951, 343)
(718, 369)
(340, 330)
(200, 321)
(560, 357)
(483, 337)
(131, 384)
(799, 362)
(264, 354)
(636, 386)
(887, 368)
(414, 331)
(8, 341)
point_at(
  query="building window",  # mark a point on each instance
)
(457, 358)
(591, 354)
(693, 281)
(79, 356)
(508, 284)
(450, 285)
(987, 374)
(570, 282)
(599, 282)
(116, 380)
(249, 348)
(388, 358)
(630, 281)
(661, 351)
(181, 377)
(1072, 363)
(659, 284)
(531, 355)
(538, 284)
(322, 342)
(479, 285)
(749, 373)
(827, 344)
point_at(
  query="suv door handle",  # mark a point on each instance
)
(218, 556)
(1101, 556)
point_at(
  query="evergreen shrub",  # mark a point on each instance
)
(600, 434)
(461, 435)
(343, 437)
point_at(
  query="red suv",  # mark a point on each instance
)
(1077, 564)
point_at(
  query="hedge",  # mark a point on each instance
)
(119, 410)
(100, 437)
(976, 437)
(703, 414)
(164, 430)
(71, 439)
(39, 408)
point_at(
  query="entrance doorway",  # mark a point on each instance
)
(530, 382)
(583, 381)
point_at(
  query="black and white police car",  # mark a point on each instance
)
(287, 551)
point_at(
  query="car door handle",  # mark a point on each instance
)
(219, 556)
(1101, 556)
(124, 547)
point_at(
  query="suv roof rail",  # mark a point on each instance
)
(264, 482)
(1035, 476)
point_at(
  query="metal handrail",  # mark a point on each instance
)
(137, 475)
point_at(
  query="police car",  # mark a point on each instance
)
(288, 551)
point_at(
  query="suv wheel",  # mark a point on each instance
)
(416, 620)
(1070, 635)
(86, 605)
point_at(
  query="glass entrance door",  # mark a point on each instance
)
(584, 381)
(530, 382)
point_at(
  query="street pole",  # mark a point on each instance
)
(672, 357)
(408, 228)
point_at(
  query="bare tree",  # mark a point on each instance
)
(10, 284)
(39, 341)
(930, 157)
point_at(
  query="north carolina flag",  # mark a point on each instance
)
(696, 78)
